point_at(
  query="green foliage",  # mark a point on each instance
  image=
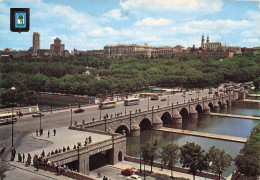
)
(170, 155)
(248, 160)
(257, 83)
(126, 74)
(149, 153)
(193, 157)
(220, 161)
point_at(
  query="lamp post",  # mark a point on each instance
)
(125, 108)
(40, 114)
(100, 113)
(148, 103)
(183, 95)
(78, 158)
(70, 115)
(12, 89)
(198, 94)
(168, 99)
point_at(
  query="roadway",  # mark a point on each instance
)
(60, 118)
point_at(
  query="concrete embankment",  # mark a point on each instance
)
(234, 116)
(247, 103)
(203, 134)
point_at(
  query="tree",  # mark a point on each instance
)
(192, 157)
(170, 155)
(219, 159)
(256, 83)
(2, 173)
(149, 153)
(248, 160)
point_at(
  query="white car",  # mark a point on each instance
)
(134, 177)
(190, 93)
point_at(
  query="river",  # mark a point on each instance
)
(205, 123)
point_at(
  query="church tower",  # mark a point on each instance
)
(202, 41)
(207, 38)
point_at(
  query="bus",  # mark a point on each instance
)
(132, 101)
(107, 105)
(7, 118)
(154, 97)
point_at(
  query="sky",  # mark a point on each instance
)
(92, 24)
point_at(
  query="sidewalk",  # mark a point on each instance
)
(40, 172)
(136, 166)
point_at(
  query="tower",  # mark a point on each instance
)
(36, 40)
(207, 38)
(202, 41)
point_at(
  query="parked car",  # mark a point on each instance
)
(127, 172)
(163, 99)
(38, 114)
(134, 177)
(79, 110)
(190, 93)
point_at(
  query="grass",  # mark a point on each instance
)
(253, 98)
(254, 92)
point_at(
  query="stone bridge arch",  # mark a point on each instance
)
(211, 106)
(199, 108)
(122, 128)
(145, 124)
(166, 117)
(184, 113)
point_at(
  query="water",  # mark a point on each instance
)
(212, 124)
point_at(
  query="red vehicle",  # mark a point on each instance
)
(79, 110)
(127, 172)
(163, 99)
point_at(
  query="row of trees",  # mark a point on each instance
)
(190, 155)
(126, 74)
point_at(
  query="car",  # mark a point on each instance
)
(38, 114)
(127, 172)
(163, 99)
(79, 110)
(134, 177)
(190, 93)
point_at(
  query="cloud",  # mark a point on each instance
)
(115, 14)
(153, 22)
(253, 40)
(202, 6)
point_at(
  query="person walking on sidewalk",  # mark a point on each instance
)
(48, 133)
(54, 132)
(37, 132)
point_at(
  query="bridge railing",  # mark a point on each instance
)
(145, 112)
(73, 153)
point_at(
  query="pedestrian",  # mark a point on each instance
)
(19, 157)
(98, 174)
(56, 151)
(64, 149)
(36, 132)
(74, 147)
(41, 131)
(52, 152)
(43, 153)
(23, 157)
(104, 178)
(48, 133)
(54, 132)
(90, 139)
(93, 119)
(68, 148)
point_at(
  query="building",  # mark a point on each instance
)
(135, 49)
(57, 48)
(218, 47)
(36, 40)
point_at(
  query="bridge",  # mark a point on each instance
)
(91, 156)
(154, 118)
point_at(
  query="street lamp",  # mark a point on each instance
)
(168, 99)
(198, 94)
(183, 95)
(70, 115)
(125, 108)
(40, 114)
(148, 103)
(13, 89)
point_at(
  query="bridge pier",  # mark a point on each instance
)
(193, 113)
(206, 109)
(84, 163)
(176, 117)
(157, 123)
(118, 152)
(216, 107)
(135, 130)
(224, 105)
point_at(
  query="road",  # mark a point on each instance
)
(28, 124)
